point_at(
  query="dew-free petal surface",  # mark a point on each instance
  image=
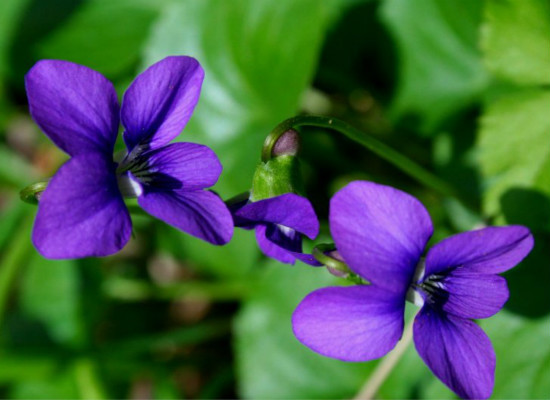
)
(81, 213)
(380, 232)
(457, 351)
(473, 295)
(283, 244)
(188, 166)
(289, 210)
(356, 323)
(199, 213)
(75, 106)
(489, 250)
(160, 101)
(271, 249)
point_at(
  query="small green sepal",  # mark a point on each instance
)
(327, 255)
(275, 177)
(32, 193)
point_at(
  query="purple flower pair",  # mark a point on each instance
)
(381, 233)
(82, 211)
(280, 223)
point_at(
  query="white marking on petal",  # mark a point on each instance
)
(414, 297)
(288, 232)
(129, 186)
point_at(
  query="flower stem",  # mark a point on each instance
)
(324, 253)
(382, 150)
(87, 380)
(385, 367)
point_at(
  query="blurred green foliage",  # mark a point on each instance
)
(461, 87)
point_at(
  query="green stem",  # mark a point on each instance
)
(382, 150)
(386, 366)
(319, 252)
(135, 209)
(87, 380)
(336, 267)
(13, 260)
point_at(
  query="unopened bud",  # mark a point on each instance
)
(288, 144)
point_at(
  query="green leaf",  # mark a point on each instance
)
(516, 39)
(440, 69)
(271, 363)
(103, 35)
(259, 57)
(50, 294)
(514, 148)
(59, 385)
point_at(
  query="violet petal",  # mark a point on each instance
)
(160, 101)
(291, 241)
(490, 250)
(473, 295)
(289, 210)
(307, 259)
(200, 213)
(75, 106)
(356, 323)
(187, 166)
(271, 249)
(82, 213)
(380, 232)
(457, 351)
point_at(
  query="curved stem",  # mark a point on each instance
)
(325, 254)
(319, 252)
(386, 366)
(382, 150)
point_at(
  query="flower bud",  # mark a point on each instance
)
(288, 144)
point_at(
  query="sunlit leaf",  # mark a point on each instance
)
(516, 39)
(103, 35)
(440, 69)
(259, 57)
(514, 147)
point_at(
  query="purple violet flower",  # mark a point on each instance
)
(382, 232)
(280, 223)
(82, 212)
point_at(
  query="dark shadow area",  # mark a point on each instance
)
(527, 207)
(359, 53)
(458, 169)
(39, 19)
(529, 283)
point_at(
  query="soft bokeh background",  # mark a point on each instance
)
(460, 86)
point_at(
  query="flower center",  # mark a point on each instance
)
(128, 185)
(434, 289)
(413, 295)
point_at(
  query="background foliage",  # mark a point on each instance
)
(461, 87)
